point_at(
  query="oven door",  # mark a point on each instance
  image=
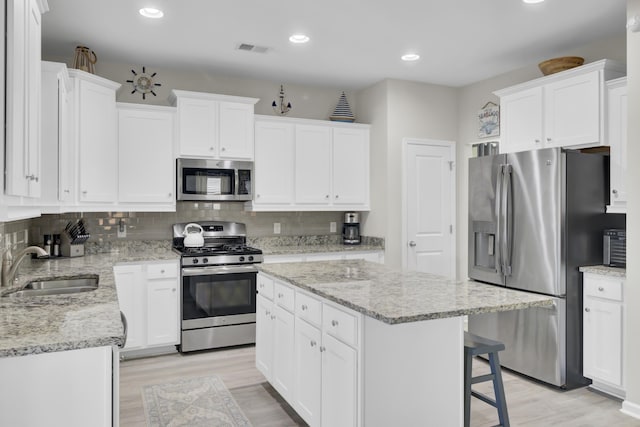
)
(218, 296)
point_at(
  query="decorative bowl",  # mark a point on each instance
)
(555, 65)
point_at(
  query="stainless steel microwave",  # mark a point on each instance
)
(214, 180)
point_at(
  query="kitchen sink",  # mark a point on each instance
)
(58, 286)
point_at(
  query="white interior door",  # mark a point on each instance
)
(429, 200)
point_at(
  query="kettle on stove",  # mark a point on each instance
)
(193, 239)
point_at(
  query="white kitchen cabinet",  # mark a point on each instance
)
(23, 96)
(57, 182)
(283, 352)
(565, 109)
(146, 166)
(264, 335)
(339, 383)
(95, 124)
(71, 388)
(313, 165)
(149, 297)
(308, 367)
(617, 132)
(603, 332)
(214, 126)
(318, 165)
(274, 168)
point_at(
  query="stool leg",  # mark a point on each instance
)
(498, 389)
(468, 364)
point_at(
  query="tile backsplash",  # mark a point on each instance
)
(103, 226)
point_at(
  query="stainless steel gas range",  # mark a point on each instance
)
(218, 287)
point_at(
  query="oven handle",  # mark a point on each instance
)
(220, 269)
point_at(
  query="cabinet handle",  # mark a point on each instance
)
(170, 194)
(224, 149)
(587, 309)
(161, 271)
(313, 343)
(548, 139)
(280, 295)
(84, 192)
(267, 312)
(326, 197)
(334, 323)
(614, 191)
(257, 196)
(210, 148)
(304, 307)
(322, 348)
(537, 141)
(600, 288)
(37, 179)
(273, 317)
(66, 191)
(337, 196)
(173, 290)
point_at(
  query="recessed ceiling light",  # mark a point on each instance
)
(299, 38)
(151, 12)
(410, 57)
(532, 1)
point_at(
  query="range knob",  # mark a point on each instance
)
(205, 260)
(195, 260)
(250, 257)
(241, 259)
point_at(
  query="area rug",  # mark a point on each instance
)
(193, 402)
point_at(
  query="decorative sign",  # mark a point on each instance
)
(489, 120)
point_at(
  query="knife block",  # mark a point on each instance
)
(70, 249)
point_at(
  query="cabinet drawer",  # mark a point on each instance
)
(340, 324)
(284, 296)
(603, 288)
(162, 271)
(309, 309)
(265, 286)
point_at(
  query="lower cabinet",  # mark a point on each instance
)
(308, 349)
(149, 298)
(603, 332)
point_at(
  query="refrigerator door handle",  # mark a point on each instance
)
(498, 239)
(508, 219)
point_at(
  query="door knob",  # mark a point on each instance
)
(412, 243)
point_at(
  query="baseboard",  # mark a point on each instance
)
(631, 409)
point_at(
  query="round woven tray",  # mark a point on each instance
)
(555, 65)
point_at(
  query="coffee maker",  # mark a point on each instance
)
(351, 229)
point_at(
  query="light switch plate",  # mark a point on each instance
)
(276, 228)
(122, 233)
(332, 227)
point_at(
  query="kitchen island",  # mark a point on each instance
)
(57, 351)
(360, 344)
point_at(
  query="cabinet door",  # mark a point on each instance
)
(308, 372)
(572, 111)
(339, 383)
(145, 147)
(313, 164)
(350, 167)
(521, 118)
(274, 163)
(264, 336)
(602, 340)
(236, 130)
(131, 297)
(197, 127)
(163, 312)
(66, 152)
(283, 351)
(98, 143)
(618, 142)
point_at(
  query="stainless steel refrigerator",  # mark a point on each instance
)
(534, 218)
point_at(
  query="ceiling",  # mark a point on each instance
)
(354, 43)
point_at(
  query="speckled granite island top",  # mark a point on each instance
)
(32, 325)
(604, 270)
(395, 296)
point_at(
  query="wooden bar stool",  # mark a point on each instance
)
(474, 346)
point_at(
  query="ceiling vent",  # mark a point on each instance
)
(252, 48)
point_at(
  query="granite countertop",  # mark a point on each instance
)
(311, 249)
(395, 296)
(32, 325)
(604, 270)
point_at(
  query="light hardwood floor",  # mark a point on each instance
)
(530, 404)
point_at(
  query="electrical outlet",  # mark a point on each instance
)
(332, 227)
(276, 228)
(216, 206)
(122, 229)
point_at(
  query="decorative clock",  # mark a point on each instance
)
(143, 83)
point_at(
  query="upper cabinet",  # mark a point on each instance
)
(566, 109)
(310, 165)
(22, 143)
(214, 126)
(617, 132)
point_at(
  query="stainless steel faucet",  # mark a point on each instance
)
(10, 267)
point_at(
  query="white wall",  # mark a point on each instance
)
(309, 102)
(414, 110)
(473, 97)
(632, 296)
